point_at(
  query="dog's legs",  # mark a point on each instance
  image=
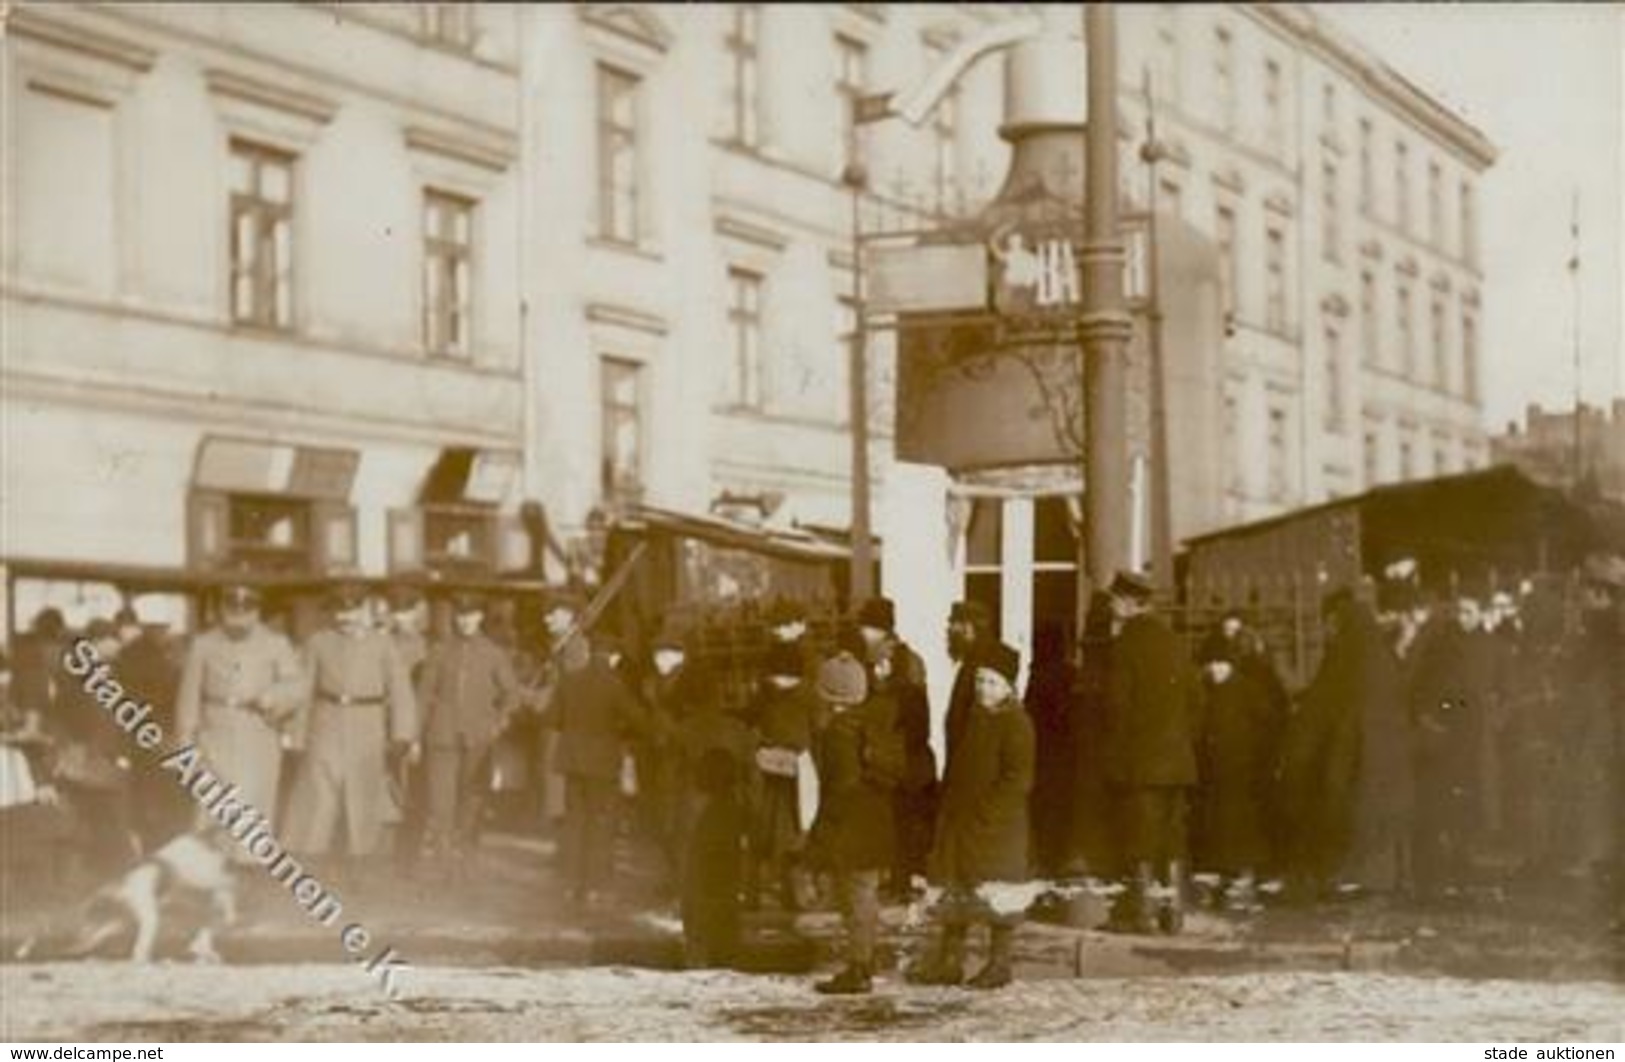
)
(140, 895)
(224, 908)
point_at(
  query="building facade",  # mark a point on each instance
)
(320, 261)
(258, 285)
(1345, 204)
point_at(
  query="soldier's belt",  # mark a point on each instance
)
(344, 700)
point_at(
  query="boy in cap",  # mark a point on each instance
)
(982, 826)
(853, 835)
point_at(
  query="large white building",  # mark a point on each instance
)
(338, 287)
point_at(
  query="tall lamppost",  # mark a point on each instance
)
(860, 584)
(1105, 324)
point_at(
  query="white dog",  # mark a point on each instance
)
(186, 870)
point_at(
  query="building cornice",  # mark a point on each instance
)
(739, 229)
(634, 22)
(47, 27)
(494, 153)
(625, 317)
(316, 109)
(1378, 78)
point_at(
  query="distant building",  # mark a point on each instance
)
(1561, 449)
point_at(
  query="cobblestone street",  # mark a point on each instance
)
(103, 1002)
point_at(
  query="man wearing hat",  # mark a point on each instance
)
(406, 627)
(899, 670)
(787, 625)
(969, 626)
(594, 715)
(467, 690)
(982, 825)
(361, 709)
(1150, 754)
(782, 716)
(241, 688)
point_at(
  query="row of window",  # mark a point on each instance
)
(1403, 213)
(1408, 363)
(1225, 102)
(263, 255)
(742, 102)
(1415, 459)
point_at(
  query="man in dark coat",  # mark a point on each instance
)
(1052, 704)
(1452, 694)
(901, 673)
(1232, 839)
(969, 627)
(1321, 754)
(982, 826)
(95, 756)
(147, 667)
(1150, 750)
(594, 714)
(466, 688)
(1093, 827)
(1383, 790)
(854, 835)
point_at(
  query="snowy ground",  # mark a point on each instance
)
(106, 1001)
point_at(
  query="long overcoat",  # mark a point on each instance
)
(982, 823)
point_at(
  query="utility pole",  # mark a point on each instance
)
(1162, 515)
(1105, 325)
(1579, 367)
(860, 583)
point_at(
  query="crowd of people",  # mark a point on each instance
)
(1439, 740)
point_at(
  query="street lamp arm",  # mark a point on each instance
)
(917, 103)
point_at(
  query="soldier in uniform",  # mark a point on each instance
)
(241, 687)
(360, 711)
(467, 688)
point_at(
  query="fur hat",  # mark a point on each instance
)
(842, 680)
(785, 611)
(972, 612)
(878, 613)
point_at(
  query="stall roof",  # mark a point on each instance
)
(789, 544)
(1442, 490)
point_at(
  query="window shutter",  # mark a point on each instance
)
(207, 523)
(513, 544)
(333, 545)
(405, 540)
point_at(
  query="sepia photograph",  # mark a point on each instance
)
(812, 522)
